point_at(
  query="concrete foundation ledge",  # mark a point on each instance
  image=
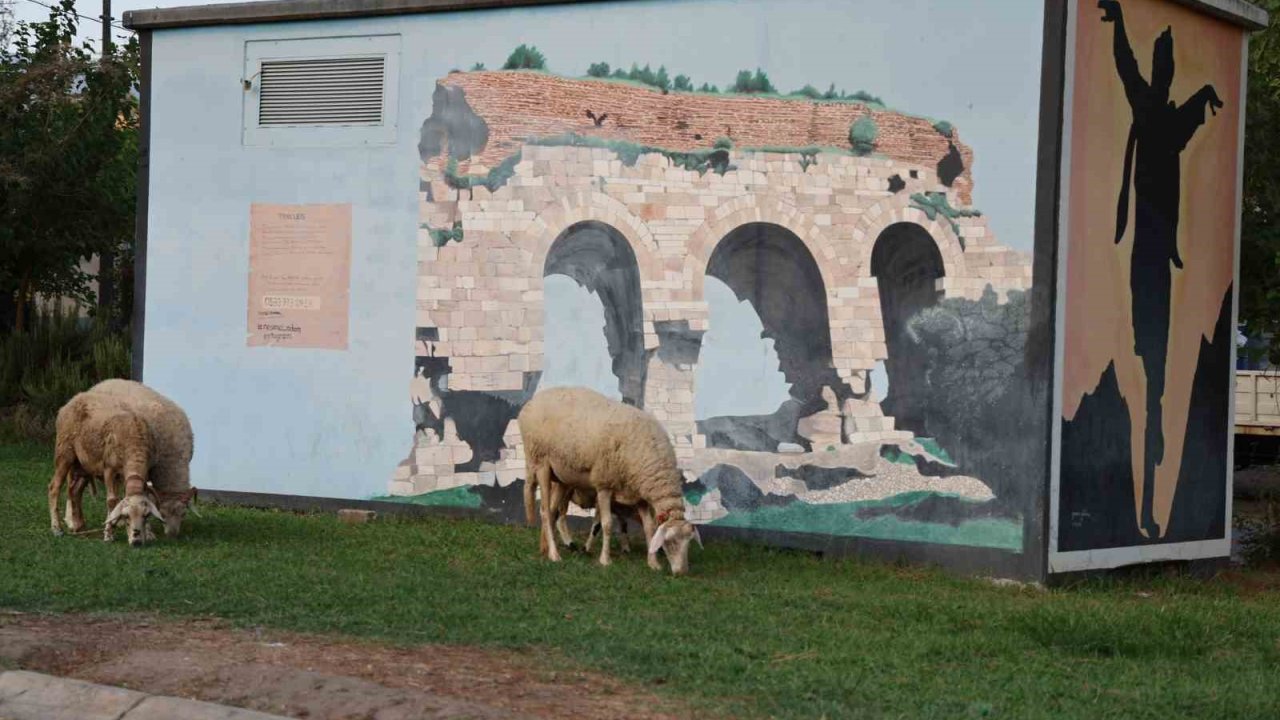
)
(32, 696)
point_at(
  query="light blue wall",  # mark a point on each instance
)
(316, 422)
(332, 423)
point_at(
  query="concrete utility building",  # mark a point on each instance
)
(964, 297)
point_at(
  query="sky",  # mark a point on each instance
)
(973, 63)
(90, 29)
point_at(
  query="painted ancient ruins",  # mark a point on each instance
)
(857, 250)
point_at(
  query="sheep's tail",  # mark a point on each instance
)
(530, 511)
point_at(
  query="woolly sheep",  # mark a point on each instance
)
(587, 501)
(97, 435)
(172, 445)
(587, 441)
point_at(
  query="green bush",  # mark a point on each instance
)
(644, 75)
(862, 135)
(112, 357)
(42, 368)
(50, 388)
(709, 88)
(810, 92)
(525, 57)
(478, 67)
(682, 83)
(863, 96)
(723, 143)
(598, 70)
(944, 128)
(753, 83)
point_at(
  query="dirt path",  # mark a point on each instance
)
(314, 677)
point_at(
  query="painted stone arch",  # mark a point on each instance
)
(749, 209)
(770, 267)
(907, 265)
(895, 211)
(607, 251)
(599, 259)
(548, 225)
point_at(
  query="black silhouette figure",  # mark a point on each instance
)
(1159, 133)
(597, 120)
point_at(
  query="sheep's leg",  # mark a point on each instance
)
(624, 538)
(60, 471)
(75, 502)
(109, 480)
(548, 533)
(595, 532)
(604, 509)
(650, 527)
(560, 495)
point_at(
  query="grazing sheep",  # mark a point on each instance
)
(98, 436)
(138, 503)
(587, 441)
(587, 501)
(172, 445)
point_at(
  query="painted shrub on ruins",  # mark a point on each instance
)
(801, 287)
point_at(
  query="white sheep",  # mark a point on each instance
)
(586, 500)
(584, 440)
(99, 436)
(172, 446)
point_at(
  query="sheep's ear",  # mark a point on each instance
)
(659, 537)
(114, 516)
(696, 536)
(153, 510)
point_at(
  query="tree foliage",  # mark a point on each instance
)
(525, 57)
(68, 158)
(753, 83)
(1260, 221)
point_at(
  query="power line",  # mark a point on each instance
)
(83, 17)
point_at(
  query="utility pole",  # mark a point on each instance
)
(107, 259)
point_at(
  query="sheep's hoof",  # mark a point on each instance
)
(57, 531)
(654, 564)
(75, 527)
(108, 537)
(605, 562)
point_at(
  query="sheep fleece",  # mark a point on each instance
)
(172, 440)
(580, 431)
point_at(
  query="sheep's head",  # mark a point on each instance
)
(175, 508)
(135, 508)
(673, 536)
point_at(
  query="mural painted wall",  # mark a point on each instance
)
(799, 285)
(1155, 136)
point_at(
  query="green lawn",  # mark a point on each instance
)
(751, 631)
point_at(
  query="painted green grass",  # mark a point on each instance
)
(753, 632)
(842, 519)
(453, 497)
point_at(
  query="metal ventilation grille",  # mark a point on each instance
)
(321, 91)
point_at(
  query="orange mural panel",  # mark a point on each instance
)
(1155, 133)
(299, 275)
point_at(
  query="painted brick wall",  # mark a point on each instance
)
(520, 105)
